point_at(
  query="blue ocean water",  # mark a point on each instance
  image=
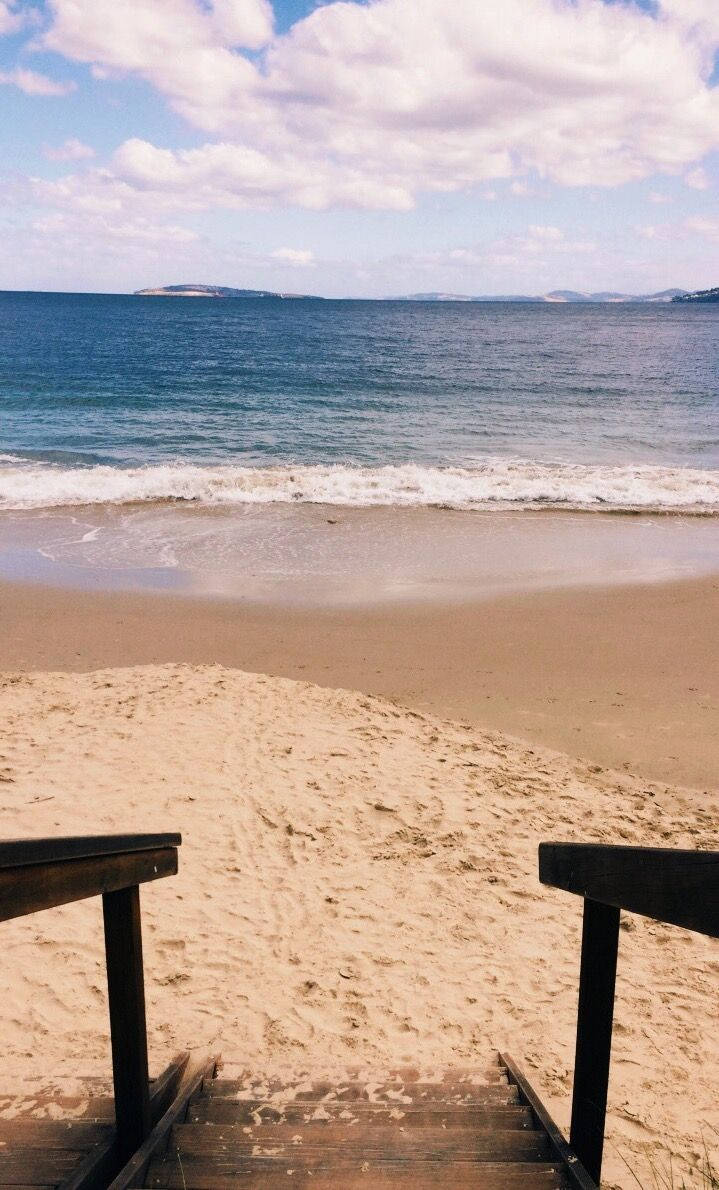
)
(118, 399)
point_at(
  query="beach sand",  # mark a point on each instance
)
(624, 676)
(358, 878)
(358, 882)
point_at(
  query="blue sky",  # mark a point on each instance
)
(369, 148)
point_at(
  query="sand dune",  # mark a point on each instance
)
(358, 883)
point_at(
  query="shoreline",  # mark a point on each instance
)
(623, 676)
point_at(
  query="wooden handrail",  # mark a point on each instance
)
(15, 853)
(677, 887)
(38, 874)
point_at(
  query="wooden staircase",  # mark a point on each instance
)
(399, 1128)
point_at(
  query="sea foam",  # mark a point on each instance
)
(483, 484)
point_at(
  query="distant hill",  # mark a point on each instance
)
(214, 291)
(701, 295)
(557, 295)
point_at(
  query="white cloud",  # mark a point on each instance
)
(697, 179)
(704, 226)
(32, 83)
(70, 150)
(294, 256)
(184, 48)
(11, 20)
(539, 240)
(659, 199)
(368, 105)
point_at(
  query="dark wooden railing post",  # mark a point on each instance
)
(600, 940)
(126, 994)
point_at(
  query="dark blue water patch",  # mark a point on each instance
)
(115, 379)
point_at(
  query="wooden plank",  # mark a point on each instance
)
(600, 940)
(320, 1085)
(128, 1031)
(577, 1176)
(488, 1071)
(134, 1171)
(263, 1174)
(411, 1115)
(677, 887)
(96, 1168)
(42, 886)
(37, 1165)
(100, 1109)
(93, 1108)
(52, 1134)
(164, 1088)
(16, 853)
(102, 1163)
(316, 1144)
(374, 1092)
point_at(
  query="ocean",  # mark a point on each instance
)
(155, 411)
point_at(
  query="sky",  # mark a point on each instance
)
(360, 147)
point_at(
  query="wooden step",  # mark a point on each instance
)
(53, 1134)
(462, 1093)
(259, 1111)
(489, 1072)
(50, 1107)
(263, 1174)
(313, 1145)
(400, 1128)
(33, 1167)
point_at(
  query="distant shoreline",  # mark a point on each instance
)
(683, 298)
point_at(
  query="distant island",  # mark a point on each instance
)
(557, 295)
(701, 295)
(216, 291)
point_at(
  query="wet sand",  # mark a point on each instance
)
(623, 676)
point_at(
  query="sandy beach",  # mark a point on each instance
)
(359, 872)
(358, 882)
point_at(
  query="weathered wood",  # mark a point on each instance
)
(126, 994)
(47, 1107)
(600, 940)
(461, 1094)
(424, 1143)
(408, 1115)
(490, 1070)
(577, 1176)
(103, 1162)
(52, 1134)
(164, 1088)
(42, 886)
(344, 1142)
(318, 1086)
(135, 1169)
(264, 1174)
(95, 1169)
(98, 1109)
(16, 853)
(37, 1165)
(673, 886)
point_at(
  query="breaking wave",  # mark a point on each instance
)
(485, 484)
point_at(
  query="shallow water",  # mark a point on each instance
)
(324, 555)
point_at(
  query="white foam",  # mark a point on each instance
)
(490, 483)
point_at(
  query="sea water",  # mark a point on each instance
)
(131, 419)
